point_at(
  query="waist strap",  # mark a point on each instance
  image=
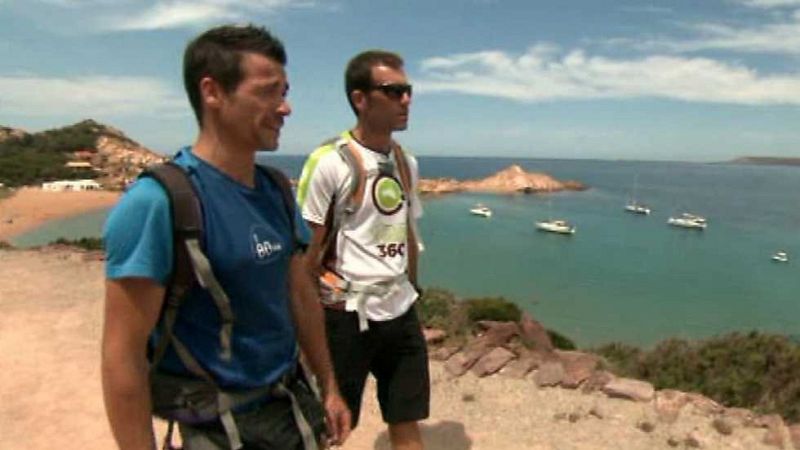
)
(354, 294)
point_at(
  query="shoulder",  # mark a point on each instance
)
(144, 193)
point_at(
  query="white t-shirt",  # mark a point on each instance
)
(371, 244)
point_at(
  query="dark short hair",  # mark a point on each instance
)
(358, 75)
(217, 53)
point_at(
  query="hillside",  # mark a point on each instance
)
(86, 149)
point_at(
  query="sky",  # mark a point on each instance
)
(683, 80)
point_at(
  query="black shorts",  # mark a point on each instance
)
(394, 351)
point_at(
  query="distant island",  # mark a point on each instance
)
(513, 179)
(767, 161)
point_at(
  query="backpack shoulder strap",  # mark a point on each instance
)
(190, 264)
(289, 203)
(358, 179)
(187, 222)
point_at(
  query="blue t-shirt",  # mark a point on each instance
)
(249, 242)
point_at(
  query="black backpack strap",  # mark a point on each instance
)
(187, 223)
(190, 266)
(289, 202)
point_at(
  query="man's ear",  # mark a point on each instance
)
(359, 99)
(211, 93)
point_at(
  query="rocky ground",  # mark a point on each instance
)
(50, 323)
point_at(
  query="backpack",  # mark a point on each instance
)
(197, 400)
(333, 287)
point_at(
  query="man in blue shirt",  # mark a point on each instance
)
(236, 83)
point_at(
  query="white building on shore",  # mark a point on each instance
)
(71, 185)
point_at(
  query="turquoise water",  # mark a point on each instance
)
(84, 225)
(621, 277)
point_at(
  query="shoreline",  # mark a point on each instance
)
(31, 207)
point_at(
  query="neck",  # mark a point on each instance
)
(374, 140)
(235, 161)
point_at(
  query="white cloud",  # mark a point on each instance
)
(93, 96)
(770, 3)
(782, 37)
(543, 74)
(164, 14)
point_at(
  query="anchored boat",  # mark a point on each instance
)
(556, 226)
(481, 210)
(687, 220)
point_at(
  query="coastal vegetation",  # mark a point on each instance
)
(27, 159)
(753, 370)
(441, 309)
(86, 243)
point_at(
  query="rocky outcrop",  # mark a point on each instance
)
(11, 133)
(119, 158)
(520, 351)
(509, 180)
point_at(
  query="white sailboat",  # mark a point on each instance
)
(633, 205)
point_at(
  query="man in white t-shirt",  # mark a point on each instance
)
(358, 194)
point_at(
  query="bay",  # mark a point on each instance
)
(621, 277)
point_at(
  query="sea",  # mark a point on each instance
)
(621, 277)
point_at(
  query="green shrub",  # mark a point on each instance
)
(84, 243)
(492, 308)
(560, 341)
(754, 370)
(435, 307)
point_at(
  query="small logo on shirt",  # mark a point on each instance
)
(387, 195)
(263, 244)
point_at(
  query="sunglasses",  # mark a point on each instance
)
(393, 90)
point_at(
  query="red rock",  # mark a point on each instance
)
(492, 362)
(578, 367)
(444, 353)
(534, 335)
(550, 373)
(520, 367)
(498, 333)
(457, 365)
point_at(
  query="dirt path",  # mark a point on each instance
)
(50, 397)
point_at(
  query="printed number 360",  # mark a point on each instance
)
(391, 250)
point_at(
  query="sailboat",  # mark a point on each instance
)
(633, 206)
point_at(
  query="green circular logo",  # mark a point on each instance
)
(387, 194)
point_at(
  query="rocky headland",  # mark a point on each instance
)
(767, 161)
(513, 179)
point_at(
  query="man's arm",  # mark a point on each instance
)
(308, 317)
(132, 308)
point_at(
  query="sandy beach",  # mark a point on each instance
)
(30, 207)
(50, 327)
